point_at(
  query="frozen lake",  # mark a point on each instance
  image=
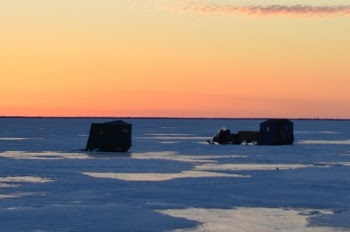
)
(172, 179)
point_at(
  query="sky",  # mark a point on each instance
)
(175, 58)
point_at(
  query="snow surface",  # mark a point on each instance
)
(171, 179)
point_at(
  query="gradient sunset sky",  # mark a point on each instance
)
(175, 58)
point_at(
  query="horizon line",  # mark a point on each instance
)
(170, 117)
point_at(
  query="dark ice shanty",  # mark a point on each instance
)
(114, 136)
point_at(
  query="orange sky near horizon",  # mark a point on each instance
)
(115, 58)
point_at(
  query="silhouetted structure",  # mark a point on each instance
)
(112, 136)
(272, 132)
(277, 132)
(224, 137)
(248, 137)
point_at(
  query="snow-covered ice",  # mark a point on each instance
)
(172, 179)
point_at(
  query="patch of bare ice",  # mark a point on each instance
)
(13, 139)
(252, 166)
(336, 164)
(5, 185)
(174, 156)
(24, 179)
(43, 155)
(334, 142)
(251, 219)
(15, 195)
(160, 176)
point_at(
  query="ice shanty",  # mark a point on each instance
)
(272, 132)
(114, 136)
(277, 132)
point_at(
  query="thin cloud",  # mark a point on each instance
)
(203, 7)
